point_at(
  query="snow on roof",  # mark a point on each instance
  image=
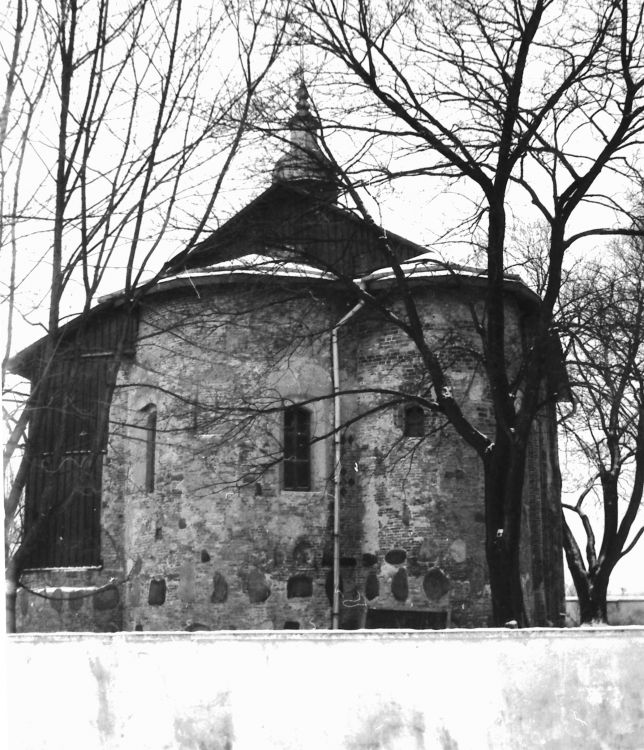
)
(262, 265)
(266, 266)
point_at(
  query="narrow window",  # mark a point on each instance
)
(150, 427)
(297, 448)
(414, 421)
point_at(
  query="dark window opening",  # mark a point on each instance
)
(150, 427)
(297, 448)
(405, 619)
(414, 421)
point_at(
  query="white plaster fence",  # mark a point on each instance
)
(391, 690)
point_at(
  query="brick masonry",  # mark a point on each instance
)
(218, 544)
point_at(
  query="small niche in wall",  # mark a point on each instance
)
(156, 594)
(299, 586)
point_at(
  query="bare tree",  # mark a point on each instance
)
(603, 325)
(16, 121)
(141, 124)
(518, 104)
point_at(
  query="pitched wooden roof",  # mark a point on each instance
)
(302, 225)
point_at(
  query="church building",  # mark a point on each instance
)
(244, 448)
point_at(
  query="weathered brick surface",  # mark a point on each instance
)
(218, 534)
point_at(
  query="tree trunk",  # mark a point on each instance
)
(505, 584)
(503, 504)
(592, 600)
(591, 586)
(11, 594)
(592, 609)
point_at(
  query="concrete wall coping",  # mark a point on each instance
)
(616, 598)
(635, 632)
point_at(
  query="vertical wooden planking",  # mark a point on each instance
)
(64, 480)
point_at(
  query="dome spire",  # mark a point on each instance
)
(304, 163)
(303, 107)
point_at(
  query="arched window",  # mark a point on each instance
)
(150, 427)
(414, 421)
(297, 448)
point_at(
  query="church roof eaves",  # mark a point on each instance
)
(255, 266)
(424, 269)
(419, 271)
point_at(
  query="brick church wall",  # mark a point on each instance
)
(218, 544)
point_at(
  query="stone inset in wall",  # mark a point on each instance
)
(56, 600)
(435, 584)
(458, 550)
(134, 592)
(372, 587)
(76, 601)
(219, 589)
(303, 553)
(258, 587)
(396, 556)
(107, 598)
(187, 582)
(426, 551)
(368, 559)
(400, 585)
